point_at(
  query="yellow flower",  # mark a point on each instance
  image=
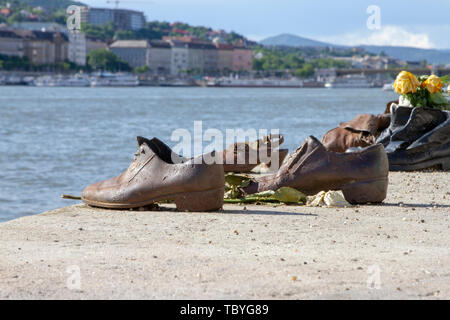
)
(406, 82)
(433, 84)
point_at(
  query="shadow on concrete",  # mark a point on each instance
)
(267, 212)
(415, 205)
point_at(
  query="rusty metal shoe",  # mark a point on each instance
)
(362, 131)
(244, 156)
(362, 175)
(158, 174)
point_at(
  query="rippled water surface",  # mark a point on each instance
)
(58, 140)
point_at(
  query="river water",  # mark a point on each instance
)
(59, 140)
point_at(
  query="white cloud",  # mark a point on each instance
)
(386, 36)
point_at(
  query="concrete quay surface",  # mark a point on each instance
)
(397, 250)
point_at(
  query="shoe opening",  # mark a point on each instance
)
(161, 150)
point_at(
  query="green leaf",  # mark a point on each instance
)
(438, 98)
(237, 180)
(289, 195)
(445, 79)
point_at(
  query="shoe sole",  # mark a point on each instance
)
(443, 162)
(209, 200)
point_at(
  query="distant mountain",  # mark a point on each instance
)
(404, 53)
(411, 54)
(292, 40)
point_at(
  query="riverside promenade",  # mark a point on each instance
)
(399, 249)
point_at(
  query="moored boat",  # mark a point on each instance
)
(77, 80)
(349, 81)
(254, 83)
(106, 79)
(388, 87)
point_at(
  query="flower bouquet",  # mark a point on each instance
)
(424, 91)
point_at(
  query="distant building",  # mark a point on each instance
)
(77, 48)
(210, 59)
(325, 75)
(376, 62)
(11, 44)
(185, 39)
(179, 57)
(202, 58)
(40, 26)
(134, 52)
(242, 59)
(159, 57)
(80, 45)
(224, 57)
(5, 12)
(44, 47)
(122, 19)
(416, 64)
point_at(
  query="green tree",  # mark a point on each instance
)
(143, 69)
(306, 71)
(102, 59)
(104, 33)
(58, 17)
(16, 17)
(257, 64)
(13, 63)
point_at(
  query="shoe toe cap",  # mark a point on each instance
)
(94, 193)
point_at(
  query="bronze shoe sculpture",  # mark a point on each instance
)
(362, 175)
(362, 131)
(238, 156)
(417, 138)
(158, 174)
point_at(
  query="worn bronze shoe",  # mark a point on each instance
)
(417, 138)
(362, 175)
(409, 124)
(244, 156)
(362, 131)
(158, 174)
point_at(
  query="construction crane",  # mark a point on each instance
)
(116, 2)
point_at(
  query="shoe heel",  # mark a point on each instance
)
(200, 201)
(373, 191)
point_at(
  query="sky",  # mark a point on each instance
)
(415, 23)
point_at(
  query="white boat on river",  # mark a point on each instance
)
(77, 80)
(349, 81)
(106, 79)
